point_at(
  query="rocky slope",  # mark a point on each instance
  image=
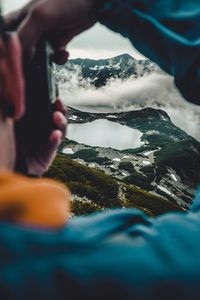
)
(167, 162)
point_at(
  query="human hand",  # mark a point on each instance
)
(61, 19)
(39, 163)
(11, 75)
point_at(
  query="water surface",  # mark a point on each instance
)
(104, 133)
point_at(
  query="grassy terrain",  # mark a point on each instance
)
(96, 191)
(89, 155)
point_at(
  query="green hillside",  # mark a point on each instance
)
(94, 191)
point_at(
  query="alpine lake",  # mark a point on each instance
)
(105, 133)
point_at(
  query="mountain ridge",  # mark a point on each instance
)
(168, 159)
(166, 163)
(99, 72)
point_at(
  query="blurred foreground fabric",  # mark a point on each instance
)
(112, 255)
(165, 31)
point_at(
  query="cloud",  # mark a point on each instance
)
(100, 42)
(94, 53)
(156, 90)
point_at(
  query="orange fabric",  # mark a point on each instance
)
(40, 202)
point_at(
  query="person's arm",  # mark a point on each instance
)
(113, 255)
(166, 31)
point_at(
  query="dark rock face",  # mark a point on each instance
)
(167, 162)
(99, 72)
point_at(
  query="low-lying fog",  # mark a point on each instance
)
(155, 90)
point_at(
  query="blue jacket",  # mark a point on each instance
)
(166, 31)
(113, 255)
(120, 254)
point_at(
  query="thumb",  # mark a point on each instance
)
(34, 25)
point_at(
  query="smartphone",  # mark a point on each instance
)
(33, 130)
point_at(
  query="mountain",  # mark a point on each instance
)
(157, 172)
(99, 72)
(167, 162)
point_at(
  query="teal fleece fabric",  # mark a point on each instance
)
(165, 31)
(112, 255)
(120, 254)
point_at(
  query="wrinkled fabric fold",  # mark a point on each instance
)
(165, 31)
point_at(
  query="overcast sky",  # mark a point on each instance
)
(96, 43)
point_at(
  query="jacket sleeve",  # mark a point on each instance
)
(121, 255)
(165, 31)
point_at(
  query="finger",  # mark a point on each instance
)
(59, 106)
(4, 73)
(33, 26)
(61, 56)
(55, 140)
(60, 38)
(12, 99)
(60, 123)
(87, 24)
(15, 65)
(13, 20)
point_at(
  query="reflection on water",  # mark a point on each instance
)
(106, 134)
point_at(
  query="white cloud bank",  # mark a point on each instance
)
(157, 91)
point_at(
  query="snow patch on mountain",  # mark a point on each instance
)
(125, 84)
